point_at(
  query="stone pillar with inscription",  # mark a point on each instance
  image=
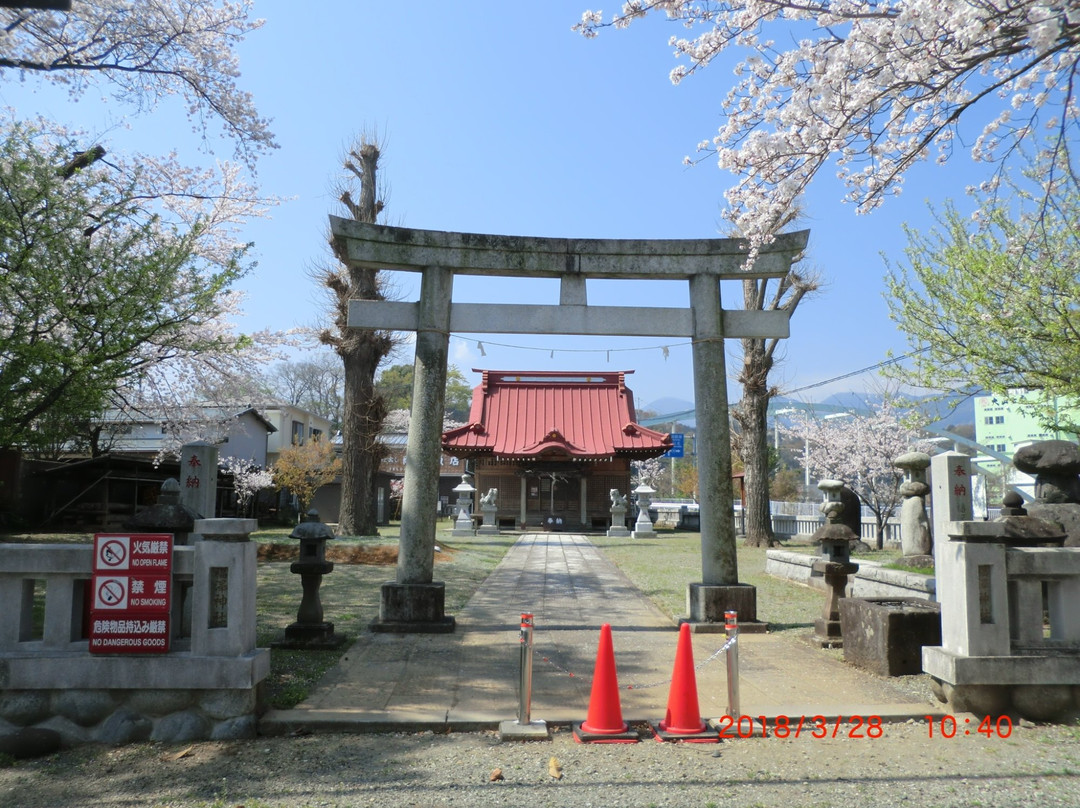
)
(950, 487)
(223, 597)
(199, 477)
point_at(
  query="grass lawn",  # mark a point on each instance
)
(662, 567)
(350, 600)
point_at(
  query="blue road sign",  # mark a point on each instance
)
(677, 444)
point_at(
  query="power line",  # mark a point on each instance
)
(879, 365)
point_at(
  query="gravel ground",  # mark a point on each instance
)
(1035, 765)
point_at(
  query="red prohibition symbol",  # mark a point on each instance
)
(113, 553)
(110, 592)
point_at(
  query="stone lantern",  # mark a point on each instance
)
(834, 564)
(643, 527)
(310, 631)
(463, 525)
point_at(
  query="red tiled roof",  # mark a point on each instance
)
(564, 414)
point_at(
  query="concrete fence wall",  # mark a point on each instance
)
(205, 687)
(802, 526)
(871, 581)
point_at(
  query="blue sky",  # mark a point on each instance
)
(499, 119)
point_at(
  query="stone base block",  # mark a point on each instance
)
(515, 731)
(413, 609)
(1040, 688)
(488, 530)
(886, 636)
(309, 637)
(706, 604)
(618, 533)
(827, 634)
(644, 534)
(114, 716)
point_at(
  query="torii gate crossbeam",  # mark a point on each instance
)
(415, 602)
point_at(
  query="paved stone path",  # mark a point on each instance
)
(469, 679)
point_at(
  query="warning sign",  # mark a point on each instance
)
(134, 593)
(131, 593)
(130, 634)
(147, 552)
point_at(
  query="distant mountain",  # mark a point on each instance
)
(949, 411)
(665, 406)
(956, 411)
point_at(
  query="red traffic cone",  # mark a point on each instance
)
(683, 720)
(604, 723)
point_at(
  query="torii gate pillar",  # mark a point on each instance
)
(719, 590)
(414, 602)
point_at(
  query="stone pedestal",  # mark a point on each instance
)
(1000, 584)
(706, 604)
(463, 525)
(310, 637)
(618, 522)
(413, 609)
(489, 527)
(643, 527)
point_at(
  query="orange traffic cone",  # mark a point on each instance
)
(683, 721)
(604, 723)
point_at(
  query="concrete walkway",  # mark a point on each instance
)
(469, 679)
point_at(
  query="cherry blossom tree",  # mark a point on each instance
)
(860, 450)
(248, 479)
(115, 283)
(649, 472)
(144, 50)
(870, 88)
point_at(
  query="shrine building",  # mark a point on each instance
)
(554, 444)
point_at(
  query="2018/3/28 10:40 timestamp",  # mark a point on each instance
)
(947, 726)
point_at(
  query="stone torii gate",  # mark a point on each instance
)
(414, 602)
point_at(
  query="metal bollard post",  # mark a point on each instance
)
(526, 641)
(524, 728)
(731, 626)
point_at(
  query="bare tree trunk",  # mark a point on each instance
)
(752, 416)
(752, 412)
(361, 352)
(362, 452)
